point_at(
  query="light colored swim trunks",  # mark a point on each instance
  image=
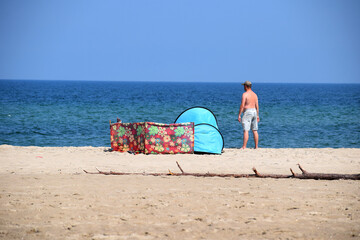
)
(249, 119)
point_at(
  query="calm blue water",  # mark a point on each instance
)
(76, 113)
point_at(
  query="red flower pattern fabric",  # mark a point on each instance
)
(128, 137)
(169, 138)
(152, 138)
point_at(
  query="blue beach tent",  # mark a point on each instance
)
(197, 115)
(207, 137)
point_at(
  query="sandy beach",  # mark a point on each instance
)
(44, 194)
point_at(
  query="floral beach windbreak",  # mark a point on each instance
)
(169, 138)
(128, 137)
(152, 138)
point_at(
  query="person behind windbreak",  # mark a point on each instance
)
(250, 107)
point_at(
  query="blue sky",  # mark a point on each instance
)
(184, 40)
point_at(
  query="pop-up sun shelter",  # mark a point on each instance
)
(208, 138)
(197, 115)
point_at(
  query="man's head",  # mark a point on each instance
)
(247, 85)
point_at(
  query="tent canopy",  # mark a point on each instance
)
(208, 138)
(197, 115)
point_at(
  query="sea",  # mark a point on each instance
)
(77, 113)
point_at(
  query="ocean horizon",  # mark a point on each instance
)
(160, 81)
(77, 113)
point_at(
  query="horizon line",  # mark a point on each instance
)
(159, 81)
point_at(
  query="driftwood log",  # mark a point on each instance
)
(303, 175)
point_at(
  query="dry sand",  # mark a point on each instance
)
(44, 194)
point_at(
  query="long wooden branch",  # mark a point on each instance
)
(324, 176)
(303, 175)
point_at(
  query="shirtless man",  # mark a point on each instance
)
(250, 107)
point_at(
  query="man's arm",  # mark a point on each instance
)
(241, 110)
(257, 109)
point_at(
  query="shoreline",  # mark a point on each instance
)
(109, 147)
(44, 194)
(267, 160)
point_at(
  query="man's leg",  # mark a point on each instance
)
(246, 138)
(256, 138)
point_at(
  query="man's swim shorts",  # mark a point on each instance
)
(249, 119)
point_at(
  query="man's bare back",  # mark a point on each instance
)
(250, 99)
